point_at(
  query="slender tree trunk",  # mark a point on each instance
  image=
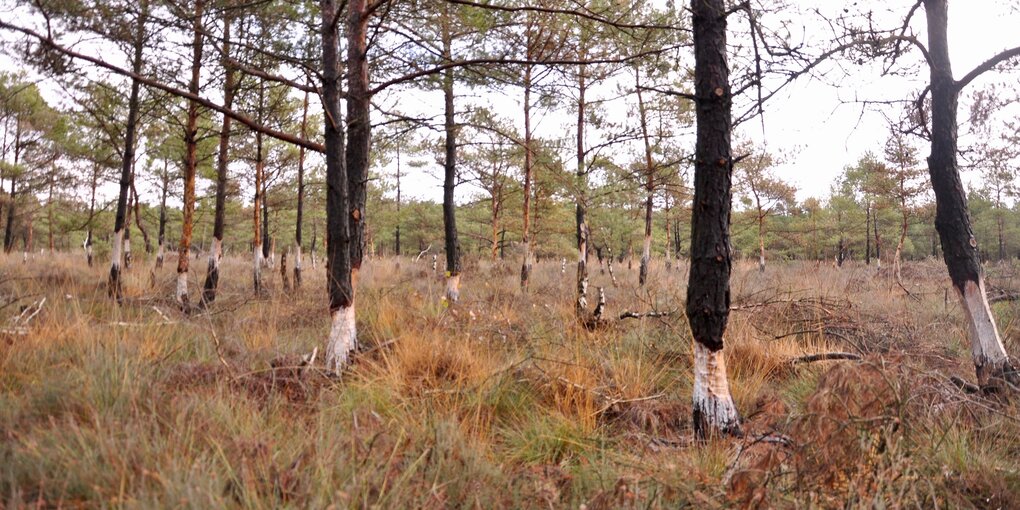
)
(190, 163)
(115, 286)
(9, 229)
(212, 273)
(257, 238)
(528, 169)
(867, 234)
(952, 220)
(581, 208)
(127, 229)
(453, 267)
(358, 128)
(138, 216)
(761, 240)
(49, 217)
(669, 240)
(343, 330)
(162, 217)
(708, 294)
(300, 196)
(878, 240)
(646, 248)
(92, 213)
(396, 242)
(898, 259)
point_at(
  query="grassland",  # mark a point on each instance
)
(501, 401)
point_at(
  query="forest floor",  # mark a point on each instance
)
(501, 401)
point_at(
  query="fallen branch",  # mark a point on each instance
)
(827, 356)
(639, 315)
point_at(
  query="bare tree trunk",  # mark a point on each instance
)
(453, 266)
(646, 248)
(300, 196)
(867, 234)
(898, 259)
(190, 164)
(581, 208)
(952, 220)
(138, 216)
(162, 217)
(257, 250)
(878, 240)
(708, 294)
(49, 216)
(212, 273)
(528, 164)
(761, 241)
(396, 243)
(115, 286)
(343, 330)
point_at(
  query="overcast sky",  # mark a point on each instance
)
(816, 126)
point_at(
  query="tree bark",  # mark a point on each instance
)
(342, 338)
(646, 248)
(708, 290)
(190, 163)
(528, 169)
(300, 196)
(212, 274)
(453, 267)
(115, 284)
(581, 208)
(138, 216)
(952, 219)
(258, 253)
(162, 216)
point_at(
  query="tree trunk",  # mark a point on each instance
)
(9, 229)
(528, 162)
(646, 248)
(761, 240)
(257, 238)
(138, 216)
(898, 259)
(450, 171)
(581, 208)
(708, 289)
(878, 240)
(300, 196)
(212, 273)
(115, 286)
(162, 217)
(396, 242)
(952, 219)
(343, 330)
(190, 164)
(867, 234)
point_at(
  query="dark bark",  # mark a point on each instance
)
(338, 255)
(867, 234)
(115, 288)
(708, 290)
(952, 219)
(212, 276)
(396, 242)
(162, 215)
(450, 163)
(358, 127)
(300, 195)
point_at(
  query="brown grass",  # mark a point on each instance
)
(501, 401)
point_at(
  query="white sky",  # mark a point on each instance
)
(810, 123)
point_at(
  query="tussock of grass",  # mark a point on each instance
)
(500, 401)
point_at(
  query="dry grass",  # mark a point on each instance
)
(501, 401)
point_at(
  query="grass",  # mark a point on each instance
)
(500, 401)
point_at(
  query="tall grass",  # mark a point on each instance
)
(500, 401)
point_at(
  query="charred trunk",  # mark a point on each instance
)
(708, 290)
(952, 219)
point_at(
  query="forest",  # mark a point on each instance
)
(507, 254)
